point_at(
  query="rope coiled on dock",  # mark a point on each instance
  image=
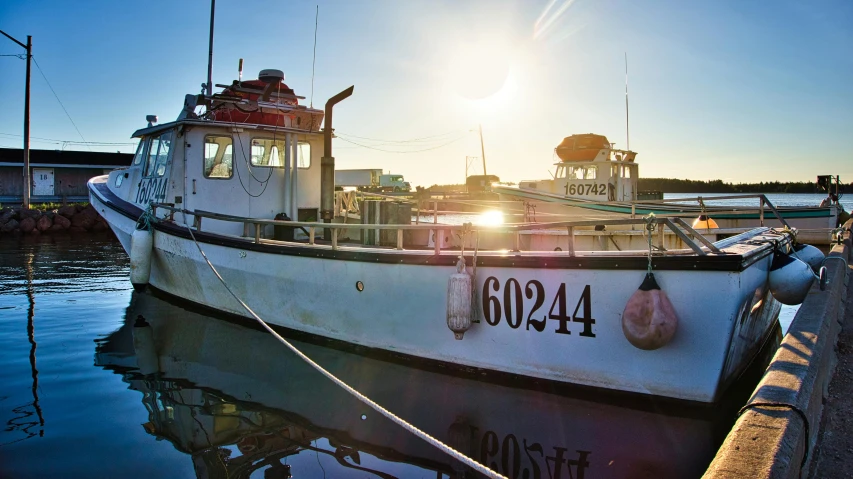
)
(361, 397)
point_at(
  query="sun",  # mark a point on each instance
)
(478, 71)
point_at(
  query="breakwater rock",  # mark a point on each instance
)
(68, 219)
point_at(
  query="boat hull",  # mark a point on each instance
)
(542, 322)
(219, 371)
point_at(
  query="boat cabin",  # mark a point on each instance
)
(257, 166)
(590, 168)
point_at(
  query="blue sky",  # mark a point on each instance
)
(737, 90)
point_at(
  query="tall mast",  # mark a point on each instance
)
(210, 52)
(482, 150)
(627, 134)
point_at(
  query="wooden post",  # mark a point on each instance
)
(660, 236)
(439, 234)
(517, 241)
(399, 239)
(257, 232)
(334, 239)
(761, 211)
(311, 230)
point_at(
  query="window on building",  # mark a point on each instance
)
(218, 162)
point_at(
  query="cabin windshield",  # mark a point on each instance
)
(577, 172)
(140, 152)
(158, 154)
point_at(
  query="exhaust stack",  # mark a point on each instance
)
(327, 163)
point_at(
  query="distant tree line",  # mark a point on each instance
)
(673, 185)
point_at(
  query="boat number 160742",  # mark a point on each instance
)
(510, 305)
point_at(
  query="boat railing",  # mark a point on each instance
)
(252, 228)
(762, 202)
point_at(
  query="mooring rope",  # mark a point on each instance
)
(361, 397)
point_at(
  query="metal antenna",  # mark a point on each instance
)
(627, 134)
(210, 52)
(314, 60)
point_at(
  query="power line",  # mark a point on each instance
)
(413, 140)
(60, 101)
(397, 151)
(70, 142)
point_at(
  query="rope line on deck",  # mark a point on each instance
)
(361, 397)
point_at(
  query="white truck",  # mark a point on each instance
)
(371, 180)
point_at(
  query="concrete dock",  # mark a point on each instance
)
(797, 424)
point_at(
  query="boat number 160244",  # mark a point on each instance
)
(510, 304)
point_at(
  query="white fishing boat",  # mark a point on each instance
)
(204, 192)
(595, 180)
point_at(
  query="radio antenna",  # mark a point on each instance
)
(210, 51)
(314, 60)
(627, 134)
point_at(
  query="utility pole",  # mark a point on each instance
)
(482, 150)
(29, 48)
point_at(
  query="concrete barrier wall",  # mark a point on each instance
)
(775, 435)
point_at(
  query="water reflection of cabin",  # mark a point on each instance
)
(55, 175)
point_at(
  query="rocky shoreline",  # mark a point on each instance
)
(66, 219)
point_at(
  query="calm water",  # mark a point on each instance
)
(86, 394)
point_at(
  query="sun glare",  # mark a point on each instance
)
(478, 71)
(491, 218)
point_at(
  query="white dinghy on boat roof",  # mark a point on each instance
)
(228, 181)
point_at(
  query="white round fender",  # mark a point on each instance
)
(809, 255)
(141, 245)
(649, 320)
(790, 279)
(459, 300)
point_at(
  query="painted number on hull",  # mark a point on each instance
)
(591, 189)
(151, 189)
(558, 466)
(511, 305)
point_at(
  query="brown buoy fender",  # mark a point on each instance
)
(649, 320)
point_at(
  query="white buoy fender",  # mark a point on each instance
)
(649, 320)
(810, 255)
(141, 245)
(459, 300)
(790, 279)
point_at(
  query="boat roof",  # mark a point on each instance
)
(166, 126)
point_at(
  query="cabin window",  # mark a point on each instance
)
(152, 156)
(158, 154)
(163, 153)
(582, 172)
(270, 153)
(140, 152)
(626, 172)
(218, 162)
(304, 153)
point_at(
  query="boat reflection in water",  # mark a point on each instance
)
(240, 404)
